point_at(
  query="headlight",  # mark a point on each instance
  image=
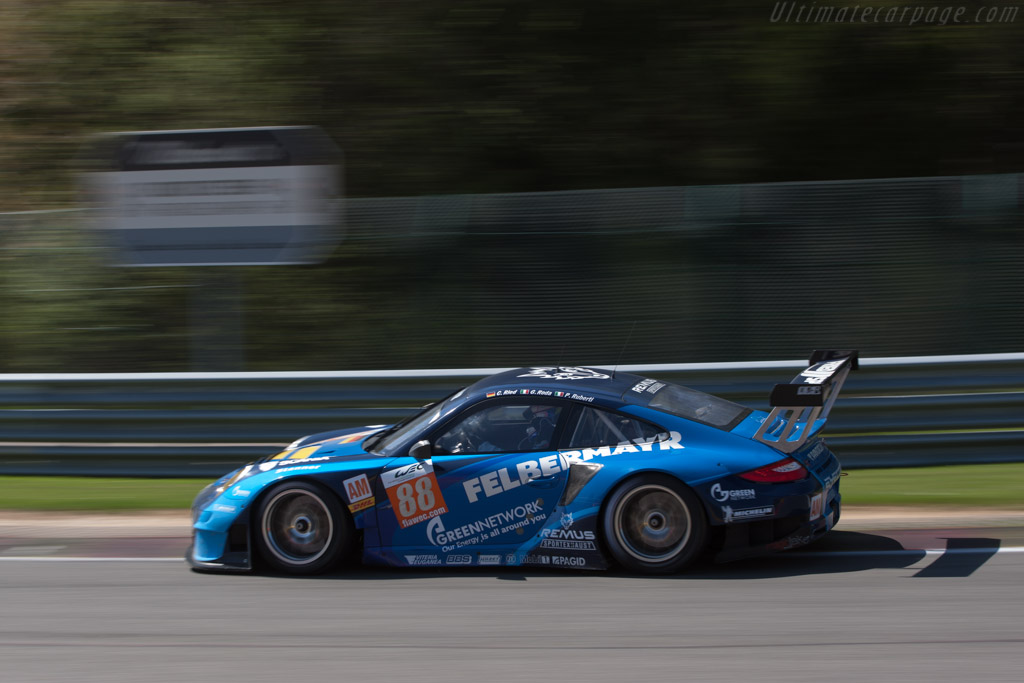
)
(202, 500)
(241, 474)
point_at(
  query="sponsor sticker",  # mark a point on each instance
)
(567, 545)
(569, 534)
(423, 560)
(459, 559)
(816, 452)
(568, 561)
(816, 501)
(508, 478)
(414, 493)
(486, 560)
(295, 468)
(789, 542)
(513, 519)
(744, 514)
(293, 463)
(565, 373)
(651, 386)
(513, 559)
(360, 495)
(821, 372)
(723, 495)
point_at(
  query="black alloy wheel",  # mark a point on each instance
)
(653, 524)
(302, 528)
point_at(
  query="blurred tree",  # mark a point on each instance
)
(521, 95)
(447, 97)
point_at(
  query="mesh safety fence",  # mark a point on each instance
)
(913, 266)
(676, 274)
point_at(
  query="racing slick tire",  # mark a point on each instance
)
(653, 524)
(301, 528)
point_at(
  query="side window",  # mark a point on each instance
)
(507, 428)
(598, 427)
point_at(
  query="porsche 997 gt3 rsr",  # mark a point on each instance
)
(544, 466)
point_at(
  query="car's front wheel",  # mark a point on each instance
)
(302, 528)
(653, 524)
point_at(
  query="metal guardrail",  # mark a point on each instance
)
(894, 412)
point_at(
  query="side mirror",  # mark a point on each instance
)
(421, 450)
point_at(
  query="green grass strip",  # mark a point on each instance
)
(1000, 486)
(960, 486)
(96, 494)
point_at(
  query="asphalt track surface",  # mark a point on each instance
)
(865, 605)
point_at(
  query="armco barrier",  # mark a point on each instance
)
(893, 412)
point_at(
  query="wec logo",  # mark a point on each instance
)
(417, 469)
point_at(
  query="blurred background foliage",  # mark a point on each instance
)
(500, 96)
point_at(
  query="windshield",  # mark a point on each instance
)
(382, 442)
(690, 404)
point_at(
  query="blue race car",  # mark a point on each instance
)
(543, 466)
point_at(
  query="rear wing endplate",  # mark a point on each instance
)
(801, 407)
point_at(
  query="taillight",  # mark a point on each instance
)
(777, 473)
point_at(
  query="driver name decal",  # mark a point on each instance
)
(414, 493)
(540, 392)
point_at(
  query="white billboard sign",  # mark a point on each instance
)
(241, 196)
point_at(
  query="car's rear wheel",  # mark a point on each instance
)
(653, 524)
(302, 528)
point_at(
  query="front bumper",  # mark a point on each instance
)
(230, 563)
(220, 537)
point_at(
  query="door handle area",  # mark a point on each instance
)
(543, 482)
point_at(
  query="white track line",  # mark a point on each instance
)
(791, 555)
(50, 558)
(904, 552)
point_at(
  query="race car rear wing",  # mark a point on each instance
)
(800, 408)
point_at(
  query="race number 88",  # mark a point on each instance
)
(418, 497)
(414, 494)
